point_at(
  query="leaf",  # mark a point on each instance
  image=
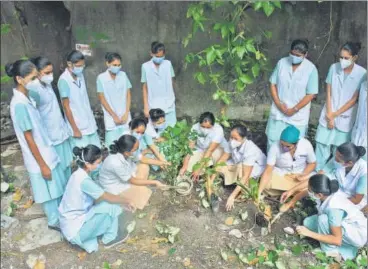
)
(215, 96)
(211, 56)
(186, 262)
(229, 221)
(39, 265)
(268, 8)
(17, 196)
(280, 265)
(158, 240)
(250, 47)
(224, 255)
(171, 251)
(297, 250)
(205, 203)
(277, 4)
(142, 215)
(106, 265)
(28, 204)
(24, 58)
(117, 263)
(246, 79)
(240, 51)
(5, 79)
(217, 26)
(130, 228)
(171, 238)
(5, 28)
(200, 77)
(267, 34)
(255, 70)
(82, 255)
(224, 31)
(257, 5)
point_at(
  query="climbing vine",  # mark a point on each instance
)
(237, 60)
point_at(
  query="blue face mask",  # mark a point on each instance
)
(114, 69)
(338, 165)
(158, 60)
(296, 59)
(161, 126)
(96, 172)
(78, 70)
(136, 135)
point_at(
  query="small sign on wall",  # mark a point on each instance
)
(84, 48)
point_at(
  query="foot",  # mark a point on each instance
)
(121, 237)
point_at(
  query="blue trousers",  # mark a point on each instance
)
(51, 210)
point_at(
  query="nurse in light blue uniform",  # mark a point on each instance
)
(337, 118)
(86, 210)
(156, 124)
(359, 132)
(47, 177)
(113, 88)
(77, 109)
(294, 83)
(339, 226)
(157, 79)
(49, 109)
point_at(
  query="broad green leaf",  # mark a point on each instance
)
(257, 5)
(239, 85)
(250, 47)
(5, 79)
(277, 4)
(255, 70)
(225, 99)
(205, 203)
(210, 56)
(231, 27)
(258, 55)
(189, 58)
(267, 34)
(272, 256)
(217, 26)
(106, 265)
(224, 255)
(171, 251)
(200, 76)
(240, 51)
(246, 79)
(297, 250)
(224, 31)
(268, 8)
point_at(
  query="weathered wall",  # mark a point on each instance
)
(132, 26)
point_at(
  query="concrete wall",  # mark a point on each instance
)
(132, 26)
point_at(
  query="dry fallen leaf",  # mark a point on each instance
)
(268, 212)
(262, 253)
(117, 263)
(186, 262)
(132, 240)
(122, 250)
(17, 195)
(254, 261)
(28, 204)
(82, 255)
(229, 221)
(157, 240)
(39, 265)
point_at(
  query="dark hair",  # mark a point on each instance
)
(88, 154)
(156, 114)
(352, 48)
(75, 56)
(156, 47)
(136, 122)
(41, 62)
(111, 56)
(320, 183)
(300, 45)
(124, 144)
(241, 129)
(207, 116)
(350, 152)
(21, 68)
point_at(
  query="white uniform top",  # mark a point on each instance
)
(159, 85)
(284, 163)
(49, 109)
(291, 89)
(79, 104)
(341, 92)
(348, 182)
(247, 154)
(39, 134)
(115, 92)
(354, 223)
(115, 173)
(359, 132)
(208, 136)
(152, 131)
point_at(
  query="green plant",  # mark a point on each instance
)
(5, 28)
(238, 59)
(250, 191)
(175, 147)
(170, 232)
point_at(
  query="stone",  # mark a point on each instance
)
(4, 186)
(9, 151)
(222, 227)
(264, 231)
(34, 210)
(7, 222)
(19, 168)
(37, 234)
(289, 230)
(236, 233)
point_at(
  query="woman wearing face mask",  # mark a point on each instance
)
(339, 226)
(113, 87)
(288, 163)
(146, 145)
(207, 145)
(47, 177)
(121, 176)
(86, 210)
(359, 132)
(77, 109)
(157, 124)
(244, 160)
(49, 110)
(158, 84)
(294, 83)
(336, 121)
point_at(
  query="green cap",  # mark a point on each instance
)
(290, 134)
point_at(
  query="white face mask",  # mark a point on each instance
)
(47, 78)
(235, 144)
(313, 196)
(205, 131)
(33, 85)
(345, 63)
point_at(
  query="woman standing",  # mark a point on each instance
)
(337, 117)
(74, 96)
(47, 177)
(113, 88)
(294, 83)
(49, 109)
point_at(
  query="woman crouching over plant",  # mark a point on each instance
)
(340, 226)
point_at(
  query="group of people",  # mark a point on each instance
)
(89, 202)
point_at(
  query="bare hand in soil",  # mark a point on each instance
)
(285, 196)
(195, 175)
(230, 203)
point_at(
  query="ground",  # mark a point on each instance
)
(202, 237)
